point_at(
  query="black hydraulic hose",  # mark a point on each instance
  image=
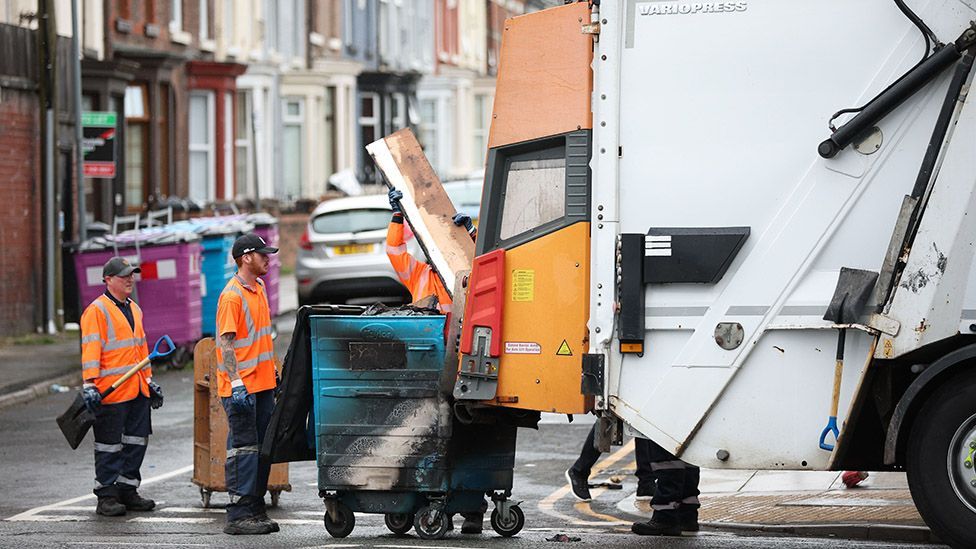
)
(888, 101)
(926, 31)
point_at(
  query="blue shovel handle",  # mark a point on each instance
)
(830, 428)
(156, 353)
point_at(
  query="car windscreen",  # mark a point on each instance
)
(351, 221)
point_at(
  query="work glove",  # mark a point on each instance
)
(395, 196)
(464, 220)
(155, 395)
(93, 399)
(241, 399)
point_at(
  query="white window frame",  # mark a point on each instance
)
(400, 121)
(209, 147)
(228, 145)
(484, 129)
(432, 129)
(374, 120)
(299, 122)
(204, 20)
(245, 99)
(176, 17)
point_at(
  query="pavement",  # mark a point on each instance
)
(814, 504)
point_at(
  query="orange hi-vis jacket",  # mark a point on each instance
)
(109, 348)
(417, 276)
(243, 311)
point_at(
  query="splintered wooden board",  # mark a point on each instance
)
(426, 205)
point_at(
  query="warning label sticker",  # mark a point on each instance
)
(523, 285)
(522, 348)
(564, 349)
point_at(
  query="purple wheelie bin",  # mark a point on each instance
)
(167, 289)
(266, 227)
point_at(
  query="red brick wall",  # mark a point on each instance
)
(20, 226)
(290, 229)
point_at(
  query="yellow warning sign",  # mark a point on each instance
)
(564, 349)
(523, 285)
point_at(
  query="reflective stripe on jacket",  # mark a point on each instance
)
(244, 311)
(417, 276)
(110, 347)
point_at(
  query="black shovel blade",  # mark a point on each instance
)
(76, 421)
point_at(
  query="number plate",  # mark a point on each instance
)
(352, 249)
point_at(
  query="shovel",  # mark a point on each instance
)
(77, 419)
(854, 287)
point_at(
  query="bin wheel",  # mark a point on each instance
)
(275, 497)
(510, 525)
(344, 525)
(205, 497)
(399, 523)
(427, 526)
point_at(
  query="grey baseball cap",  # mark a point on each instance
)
(119, 266)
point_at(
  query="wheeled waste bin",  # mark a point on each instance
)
(386, 438)
(167, 289)
(210, 431)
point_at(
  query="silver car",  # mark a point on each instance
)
(342, 255)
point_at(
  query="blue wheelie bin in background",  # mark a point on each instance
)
(386, 438)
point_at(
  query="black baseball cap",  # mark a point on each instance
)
(119, 266)
(251, 243)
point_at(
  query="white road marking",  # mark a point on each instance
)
(139, 544)
(297, 521)
(428, 546)
(31, 513)
(188, 520)
(190, 510)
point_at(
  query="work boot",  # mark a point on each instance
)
(134, 502)
(247, 526)
(473, 523)
(645, 491)
(688, 521)
(579, 485)
(109, 507)
(656, 527)
(263, 517)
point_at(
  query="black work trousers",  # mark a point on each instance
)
(245, 471)
(589, 456)
(121, 433)
(676, 495)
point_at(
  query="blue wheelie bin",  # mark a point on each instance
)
(386, 438)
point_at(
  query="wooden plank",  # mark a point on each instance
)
(426, 206)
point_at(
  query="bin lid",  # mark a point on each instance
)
(262, 219)
(152, 236)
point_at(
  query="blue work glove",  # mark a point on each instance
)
(241, 399)
(155, 395)
(464, 220)
(93, 399)
(395, 196)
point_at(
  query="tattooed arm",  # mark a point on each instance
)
(230, 359)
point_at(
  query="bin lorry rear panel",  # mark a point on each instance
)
(527, 309)
(712, 123)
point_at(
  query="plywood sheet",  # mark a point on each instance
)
(544, 79)
(426, 206)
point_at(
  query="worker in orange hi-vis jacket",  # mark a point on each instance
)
(418, 276)
(112, 342)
